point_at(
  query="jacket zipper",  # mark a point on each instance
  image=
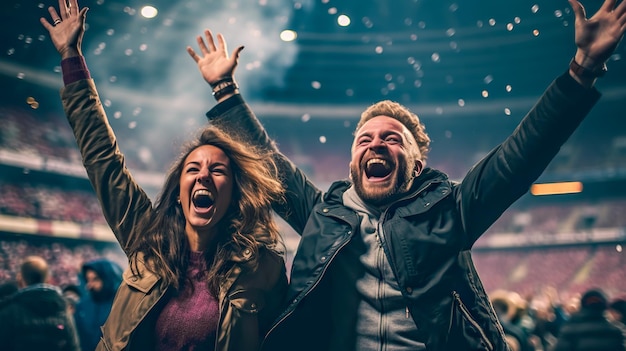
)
(469, 318)
(380, 253)
(330, 259)
(383, 239)
(298, 299)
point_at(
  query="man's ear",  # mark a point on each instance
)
(20, 281)
(419, 166)
(350, 171)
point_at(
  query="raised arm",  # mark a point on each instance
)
(596, 39)
(234, 115)
(123, 202)
(67, 28)
(218, 69)
(507, 172)
(215, 65)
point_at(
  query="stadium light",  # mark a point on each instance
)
(556, 188)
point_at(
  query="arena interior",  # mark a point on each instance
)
(469, 70)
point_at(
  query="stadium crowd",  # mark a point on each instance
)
(536, 320)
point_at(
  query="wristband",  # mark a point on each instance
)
(226, 89)
(223, 84)
(221, 81)
(585, 72)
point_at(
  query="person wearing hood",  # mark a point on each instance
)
(102, 278)
(589, 329)
(35, 317)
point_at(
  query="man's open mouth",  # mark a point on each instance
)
(377, 168)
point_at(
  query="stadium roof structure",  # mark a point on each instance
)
(483, 63)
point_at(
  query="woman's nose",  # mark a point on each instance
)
(203, 175)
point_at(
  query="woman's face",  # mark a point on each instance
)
(206, 187)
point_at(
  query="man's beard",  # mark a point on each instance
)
(99, 295)
(383, 195)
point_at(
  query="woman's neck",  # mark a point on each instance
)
(200, 241)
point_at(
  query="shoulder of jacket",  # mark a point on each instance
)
(336, 190)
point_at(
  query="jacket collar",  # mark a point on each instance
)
(40, 287)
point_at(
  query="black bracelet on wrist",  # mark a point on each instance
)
(219, 93)
(223, 87)
(221, 81)
(584, 72)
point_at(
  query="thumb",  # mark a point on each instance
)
(236, 53)
(579, 10)
(83, 12)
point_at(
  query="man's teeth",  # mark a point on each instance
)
(378, 161)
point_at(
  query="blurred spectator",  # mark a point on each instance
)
(589, 329)
(617, 310)
(8, 288)
(549, 315)
(519, 314)
(36, 317)
(72, 294)
(102, 277)
(64, 257)
(505, 307)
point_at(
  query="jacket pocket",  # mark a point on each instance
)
(464, 332)
(248, 301)
(143, 283)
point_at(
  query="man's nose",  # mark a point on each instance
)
(377, 143)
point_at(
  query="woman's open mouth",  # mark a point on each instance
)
(202, 200)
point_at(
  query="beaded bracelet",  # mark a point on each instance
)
(220, 91)
(221, 82)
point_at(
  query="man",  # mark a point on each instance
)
(384, 260)
(36, 316)
(589, 329)
(102, 277)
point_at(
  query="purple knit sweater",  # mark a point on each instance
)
(189, 320)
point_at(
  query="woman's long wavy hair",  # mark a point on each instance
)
(248, 224)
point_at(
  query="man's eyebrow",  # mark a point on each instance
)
(364, 133)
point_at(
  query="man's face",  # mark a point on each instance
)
(94, 283)
(385, 160)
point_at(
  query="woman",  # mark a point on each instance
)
(204, 269)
